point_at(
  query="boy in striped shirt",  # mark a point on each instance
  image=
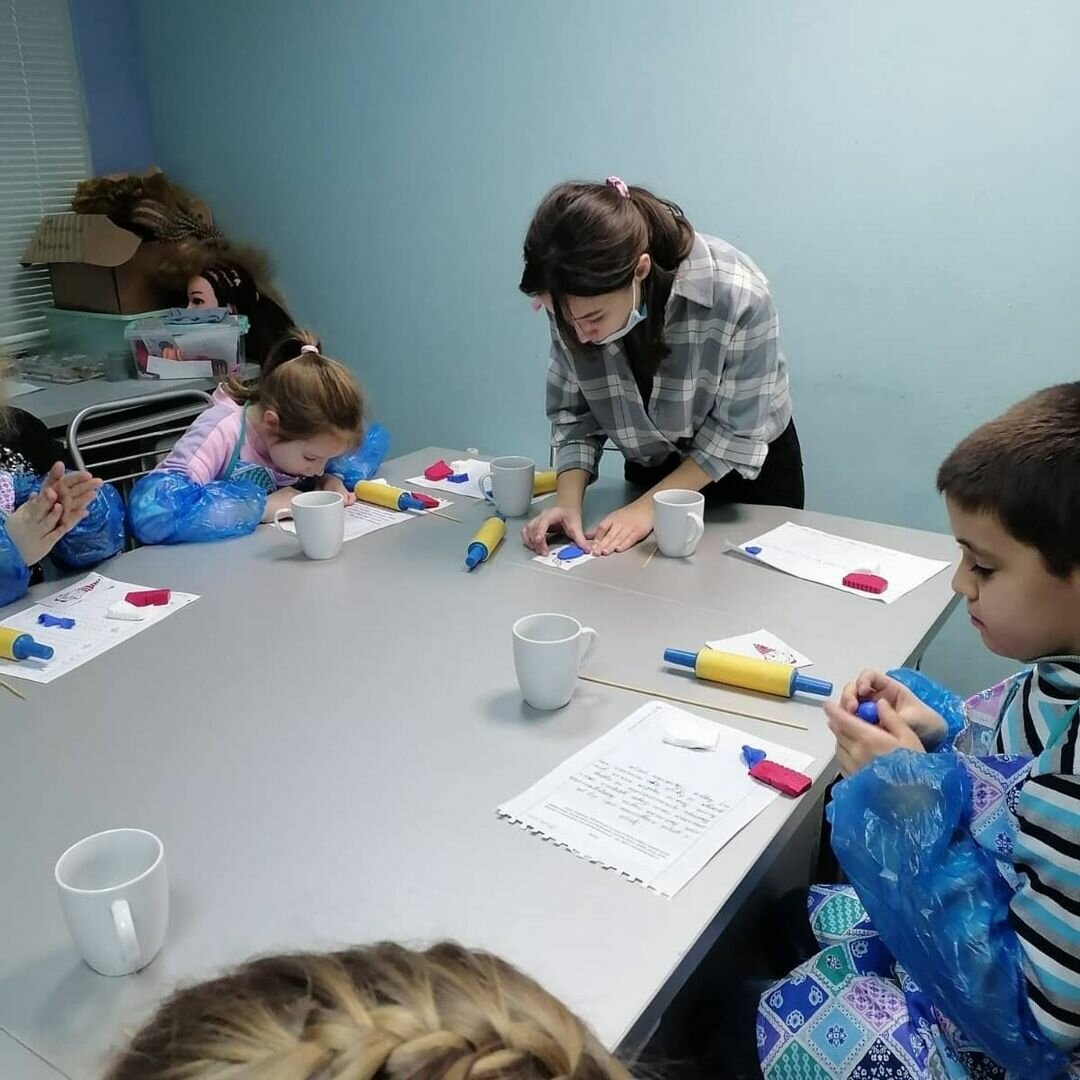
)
(911, 1008)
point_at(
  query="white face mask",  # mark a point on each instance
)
(637, 315)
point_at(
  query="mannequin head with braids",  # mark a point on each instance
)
(378, 1013)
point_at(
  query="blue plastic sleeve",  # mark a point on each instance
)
(363, 462)
(170, 508)
(900, 830)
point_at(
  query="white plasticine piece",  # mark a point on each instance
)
(123, 610)
(692, 732)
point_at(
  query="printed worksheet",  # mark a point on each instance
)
(653, 812)
(362, 518)
(87, 602)
(827, 559)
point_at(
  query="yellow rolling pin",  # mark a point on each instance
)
(19, 645)
(545, 482)
(482, 546)
(393, 498)
(748, 673)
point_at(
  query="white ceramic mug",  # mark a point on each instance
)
(678, 521)
(549, 650)
(509, 485)
(114, 892)
(319, 517)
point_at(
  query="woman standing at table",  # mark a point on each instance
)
(664, 341)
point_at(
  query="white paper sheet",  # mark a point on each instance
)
(469, 488)
(87, 602)
(761, 645)
(650, 811)
(552, 559)
(362, 518)
(827, 559)
(179, 369)
(16, 388)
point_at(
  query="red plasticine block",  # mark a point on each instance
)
(426, 501)
(786, 781)
(871, 583)
(439, 471)
(149, 597)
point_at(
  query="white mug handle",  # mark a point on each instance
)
(279, 514)
(125, 932)
(697, 530)
(489, 491)
(586, 643)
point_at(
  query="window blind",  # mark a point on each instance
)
(43, 151)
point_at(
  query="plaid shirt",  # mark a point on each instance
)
(721, 396)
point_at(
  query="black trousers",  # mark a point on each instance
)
(780, 482)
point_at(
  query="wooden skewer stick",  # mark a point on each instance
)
(651, 554)
(14, 689)
(700, 704)
(444, 515)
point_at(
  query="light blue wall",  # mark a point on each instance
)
(108, 42)
(906, 175)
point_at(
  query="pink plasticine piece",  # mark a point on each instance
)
(871, 583)
(149, 597)
(439, 471)
(426, 501)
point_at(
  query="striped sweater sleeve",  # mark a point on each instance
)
(1045, 910)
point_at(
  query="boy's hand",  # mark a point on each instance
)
(858, 743)
(874, 686)
(329, 482)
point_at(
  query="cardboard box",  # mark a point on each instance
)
(95, 265)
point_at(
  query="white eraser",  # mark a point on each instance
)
(692, 732)
(123, 610)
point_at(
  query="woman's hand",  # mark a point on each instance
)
(562, 519)
(622, 529)
(877, 687)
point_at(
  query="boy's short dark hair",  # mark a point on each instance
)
(1024, 467)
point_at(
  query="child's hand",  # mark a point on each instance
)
(858, 743)
(874, 686)
(280, 500)
(36, 526)
(329, 482)
(75, 492)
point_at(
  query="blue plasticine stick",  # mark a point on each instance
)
(59, 621)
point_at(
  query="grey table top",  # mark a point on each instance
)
(56, 404)
(322, 746)
(18, 1063)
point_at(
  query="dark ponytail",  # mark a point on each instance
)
(586, 239)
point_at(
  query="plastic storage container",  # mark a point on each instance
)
(89, 332)
(165, 350)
